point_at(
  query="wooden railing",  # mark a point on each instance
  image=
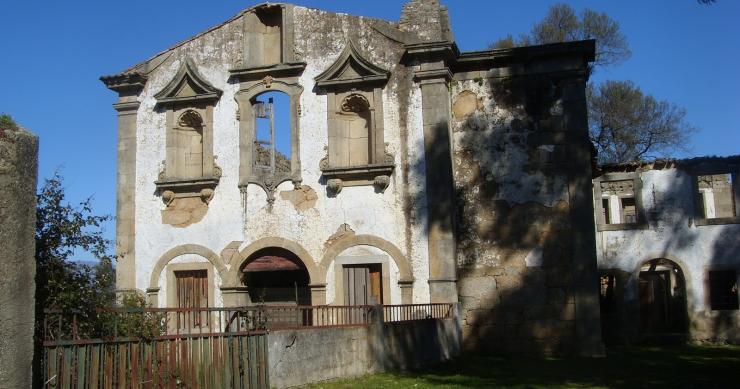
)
(71, 327)
(407, 312)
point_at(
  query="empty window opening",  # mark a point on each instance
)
(272, 144)
(662, 291)
(723, 290)
(276, 276)
(618, 204)
(716, 196)
(628, 209)
(192, 293)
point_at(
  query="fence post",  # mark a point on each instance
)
(456, 312)
(376, 338)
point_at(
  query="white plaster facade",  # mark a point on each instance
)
(246, 217)
(672, 227)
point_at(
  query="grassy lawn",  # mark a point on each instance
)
(643, 367)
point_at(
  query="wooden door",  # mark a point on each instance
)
(654, 298)
(363, 284)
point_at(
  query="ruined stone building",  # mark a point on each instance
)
(296, 156)
(668, 245)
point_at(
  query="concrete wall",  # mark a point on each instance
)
(314, 355)
(18, 171)
(672, 231)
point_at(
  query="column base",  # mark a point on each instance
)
(443, 291)
(235, 296)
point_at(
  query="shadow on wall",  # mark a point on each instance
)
(515, 179)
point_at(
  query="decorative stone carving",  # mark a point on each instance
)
(382, 182)
(355, 103)
(189, 174)
(334, 185)
(356, 152)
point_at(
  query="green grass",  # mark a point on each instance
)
(643, 367)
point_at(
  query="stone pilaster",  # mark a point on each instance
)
(318, 294)
(433, 77)
(235, 296)
(585, 273)
(407, 291)
(128, 87)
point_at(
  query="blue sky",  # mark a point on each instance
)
(54, 52)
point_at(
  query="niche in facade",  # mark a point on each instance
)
(189, 175)
(356, 153)
(268, 44)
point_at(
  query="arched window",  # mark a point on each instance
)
(188, 179)
(356, 152)
(272, 143)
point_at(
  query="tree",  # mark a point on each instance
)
(561, 24)
(625, 124)
(62, 230)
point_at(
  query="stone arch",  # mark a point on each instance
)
(175, 252)
(679, 262)
(404, 267)
(316, 276)
(406, 277)
(678, 307)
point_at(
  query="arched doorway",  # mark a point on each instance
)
(276, 276)
(662, 297)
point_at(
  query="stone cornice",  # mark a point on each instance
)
(129, 106)
(441, 75)
(131, 83)
(486, 59)
(292, 69)
(432, 51)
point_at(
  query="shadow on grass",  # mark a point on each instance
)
(635, 367)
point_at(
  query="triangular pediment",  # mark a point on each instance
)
(351, 69)
(187, 86)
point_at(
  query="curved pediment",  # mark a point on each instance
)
(351, 70)
(187, 87)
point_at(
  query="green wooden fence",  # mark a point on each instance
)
(214, 361)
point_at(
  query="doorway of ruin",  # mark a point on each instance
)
(662, 298)
(276, 276)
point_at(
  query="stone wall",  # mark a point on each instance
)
(18, 171)
(526, 261)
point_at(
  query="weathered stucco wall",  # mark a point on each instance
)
(512, 236)
(671, 232)
(235, 216)
(18, 171)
